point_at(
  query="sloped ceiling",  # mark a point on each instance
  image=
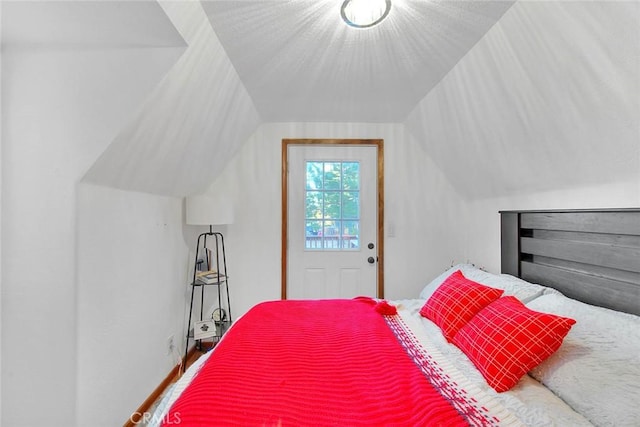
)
(548, 100)
(95, 24)
(254, 61)
(301, 62)
(504, 97)
(190, 126)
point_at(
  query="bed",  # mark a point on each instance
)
(473, 348)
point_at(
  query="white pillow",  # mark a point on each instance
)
(511, 285)
(597, 368)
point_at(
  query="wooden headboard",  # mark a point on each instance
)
(589, 255)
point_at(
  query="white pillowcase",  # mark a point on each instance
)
(511, 285)
(597, 368)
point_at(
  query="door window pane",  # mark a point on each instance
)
(314, 175)
(314, 204)
(332, 176)
(351, 176)
(350, 234)
(331, 235)
(351, 204)
(332, 205)
(313, 233)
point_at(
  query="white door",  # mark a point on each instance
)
(332, 221)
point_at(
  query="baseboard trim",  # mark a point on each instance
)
(137, 416)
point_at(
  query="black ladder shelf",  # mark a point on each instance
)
(224, 321)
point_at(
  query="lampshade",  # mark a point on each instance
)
(206, 210)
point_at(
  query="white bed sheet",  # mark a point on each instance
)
(511, 285)
(529, 400)
(176, 389)
(597, 368)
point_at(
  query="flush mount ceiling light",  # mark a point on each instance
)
(364, 13)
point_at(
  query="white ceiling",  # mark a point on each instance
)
(94, 24)
(297, 59)
(300, 62)
(506, 92)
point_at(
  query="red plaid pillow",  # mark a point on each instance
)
(456, 301)
(506, 340)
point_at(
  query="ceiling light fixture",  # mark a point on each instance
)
(364, 13)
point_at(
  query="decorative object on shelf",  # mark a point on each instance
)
(204, 329)
(210, 277)
(210, 267)
(219, 315)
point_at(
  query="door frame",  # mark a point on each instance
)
(379, 144)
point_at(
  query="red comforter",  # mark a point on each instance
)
(316, 363)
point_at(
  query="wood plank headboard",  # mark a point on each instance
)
(589, 255)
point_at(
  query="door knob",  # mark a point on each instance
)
(371, 260)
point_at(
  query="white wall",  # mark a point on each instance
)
(133, 259)
(419, 202)
(483, 223)
(60, 110)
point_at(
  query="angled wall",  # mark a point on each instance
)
(189, 126)
(543, 113)
(548, 99)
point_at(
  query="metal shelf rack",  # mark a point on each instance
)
(217, 251)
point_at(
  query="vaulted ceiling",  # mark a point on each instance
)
(524, 95)
(297, 60)
(86, 24)
(301, 62)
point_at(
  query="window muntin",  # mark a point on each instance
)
(332, 205)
